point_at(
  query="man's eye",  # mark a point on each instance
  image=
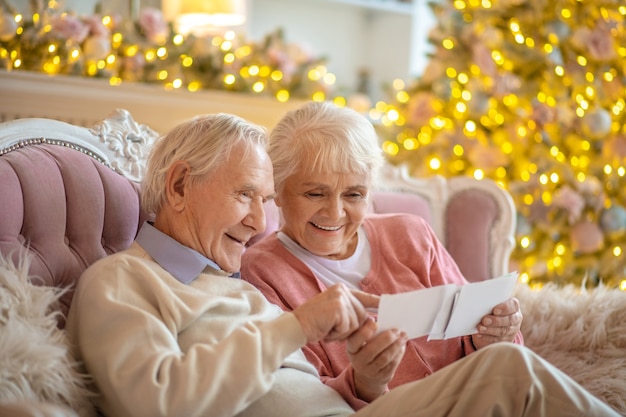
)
(314, 195)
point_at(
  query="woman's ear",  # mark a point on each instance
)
(177, 182)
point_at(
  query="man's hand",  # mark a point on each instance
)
(374, 358)
(334, 314)
(500, 326)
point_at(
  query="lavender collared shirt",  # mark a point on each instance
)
(184, 263)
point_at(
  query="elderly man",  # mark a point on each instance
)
(166, 328)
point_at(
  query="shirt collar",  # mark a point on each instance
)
(184, 263)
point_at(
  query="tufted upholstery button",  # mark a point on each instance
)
(102, 242)
(21, 239)
(426, 374)
(66, 240)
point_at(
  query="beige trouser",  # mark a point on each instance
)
(503, 379)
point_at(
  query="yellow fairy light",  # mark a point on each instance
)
(434, 163)
(162, 52)
(162, 75)
(194, 86)
(276, 75)
(186, 61)
(314, 74)
(402, 96)
(398, 84)
(559, 70)
(458, 150)
(617, 251)
(177, 83)
(621, 171)
(390, 148)
(340, 101)
(329, 78)
(554, 177)
(318, 96)
(178, 39)
(447, 44)
(264, 71)
(528, 199)
(566, 13)
(258, 86)
(479, 174)
(608, 169)
(524, 278)
(461, 107)
(229, 79)
(410, 144)
(463, 78)
(229, 58)
(525, 176)
(226, 46)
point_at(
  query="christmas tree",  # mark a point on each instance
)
(530, 93)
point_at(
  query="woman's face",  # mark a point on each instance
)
(322, 212)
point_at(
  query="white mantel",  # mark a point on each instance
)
(86, 101)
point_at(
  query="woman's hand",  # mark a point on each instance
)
(500, 326)
(374, 358)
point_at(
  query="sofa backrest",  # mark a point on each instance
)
(70, 196)
(63, 201)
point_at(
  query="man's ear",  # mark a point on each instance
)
(177, 184)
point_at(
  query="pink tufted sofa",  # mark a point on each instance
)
(70, 196)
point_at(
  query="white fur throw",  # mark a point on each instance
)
(35, 364)
(581, 332)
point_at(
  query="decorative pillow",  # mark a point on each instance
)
(35, 363)
(581, 332)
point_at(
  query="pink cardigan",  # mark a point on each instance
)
(401, 262)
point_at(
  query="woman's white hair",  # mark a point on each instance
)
(321, 136)
(204, 142)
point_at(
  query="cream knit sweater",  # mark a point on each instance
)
(215, 347)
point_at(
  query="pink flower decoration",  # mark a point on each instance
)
(69, 27)
(153, 24)
(571, 201)
(543, 114)
(96, 27)
(487, 158)
(586, 237)
(420, 109)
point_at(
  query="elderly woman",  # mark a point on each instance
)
(325, 162)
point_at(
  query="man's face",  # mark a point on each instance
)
(323, 211)
(226, 210)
